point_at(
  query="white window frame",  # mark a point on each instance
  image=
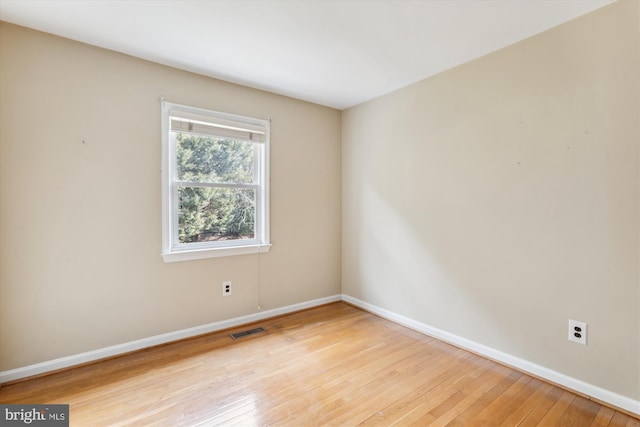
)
(172, 249)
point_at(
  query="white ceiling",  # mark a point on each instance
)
(331, 52)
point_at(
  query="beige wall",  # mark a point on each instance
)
(499, 199)
(80, 222)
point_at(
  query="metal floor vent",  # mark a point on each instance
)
(242, 334)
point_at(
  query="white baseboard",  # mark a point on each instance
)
(115, 350)
(606, 396)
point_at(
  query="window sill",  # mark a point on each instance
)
(215, 252)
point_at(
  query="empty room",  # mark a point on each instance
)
(307, 213)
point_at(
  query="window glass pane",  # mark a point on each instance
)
(215, 214)
(208, 159)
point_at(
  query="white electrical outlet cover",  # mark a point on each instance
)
(579, 328)
(226, 288)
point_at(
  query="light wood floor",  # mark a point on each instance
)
(332, 365)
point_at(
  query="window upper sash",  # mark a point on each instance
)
(187, 122)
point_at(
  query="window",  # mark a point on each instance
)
(215, 184)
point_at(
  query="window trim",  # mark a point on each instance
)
(172, 252)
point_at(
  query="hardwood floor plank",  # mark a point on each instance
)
(467, 417)
(619, 420)
(429, 401)
(503, 405)
(331, 365)
(542, 406)
(343, 379)
(581, 413)
(531, 402)
(603, 417)
(439, 380)
(632, 422)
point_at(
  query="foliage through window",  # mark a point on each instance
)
(215, 183)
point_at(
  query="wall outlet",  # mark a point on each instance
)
(578, 332)
(226, 289)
